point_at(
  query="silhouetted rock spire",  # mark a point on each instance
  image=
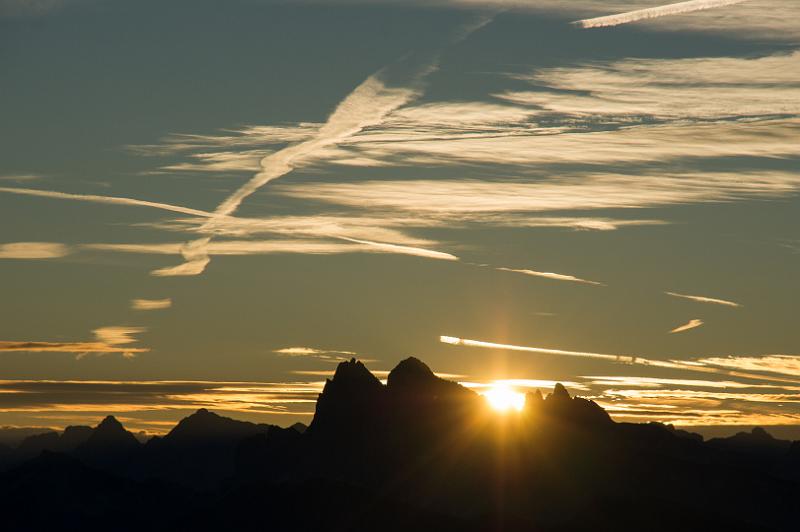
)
(348, 400)
(560, 393)
(109, 442)
(410, 373)
(564, 410)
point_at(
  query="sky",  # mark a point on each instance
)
(210, 204)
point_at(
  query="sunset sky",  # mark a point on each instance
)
(210, 204)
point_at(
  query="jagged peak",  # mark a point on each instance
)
(762, 434)
(410, 371)
(200, 414)
(110, 423)
(353, 371)
(534, 398)
(559, 392)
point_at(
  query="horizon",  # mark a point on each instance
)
(503, 406)
(211, 206)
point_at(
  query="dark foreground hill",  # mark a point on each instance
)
(419, 453)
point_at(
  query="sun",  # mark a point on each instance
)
(502, 398)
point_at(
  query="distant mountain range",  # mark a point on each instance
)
(419, 453)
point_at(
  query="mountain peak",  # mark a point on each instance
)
(353, 372)
(352, 395)
(410, 371)
(761, 434)
(110, 423)
(560, 392)
(560, 406)
(108, 441)
(204, 427)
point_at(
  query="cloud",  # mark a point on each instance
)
(266, 247)
(522, 383)
(587, 191)
(692, 324)
(659, 382)
(550, 275)
(320, 354)
(74, 401)
(33, 250)
(365, 106)
(117, 335)
(701, 366)
(788, 365)
(765, 391)
(637, 143)
(637, 90)
(113, 339)
(151, 304)
(654, 12)
(704, 299)
(66, 347)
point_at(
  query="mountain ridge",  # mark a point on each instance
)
(424, 447)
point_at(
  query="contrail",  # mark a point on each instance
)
(704, 299)
(551, 275)
(368, 105)
(693, 324)
(405, 250)
(654, 12)
(618, 359)
(196, 252)
(106, 199)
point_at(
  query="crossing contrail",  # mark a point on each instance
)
(367, 105)
(654, 12)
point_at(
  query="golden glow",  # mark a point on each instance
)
(503, 398)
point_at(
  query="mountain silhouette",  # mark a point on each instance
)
(199, 451)
(416, 453)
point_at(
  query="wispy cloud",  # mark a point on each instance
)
(455, 197)
(660, 382)
(326, 355)
(701, 365)
(113, 339)
(67, 347)
(704, 299)
(267, 247)
(654, 12)
(634, 91)
(151, 304)
(142, 402)
(367, 105)
(550, 275)
(692, 324)
(33, 250)
(780, 364)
